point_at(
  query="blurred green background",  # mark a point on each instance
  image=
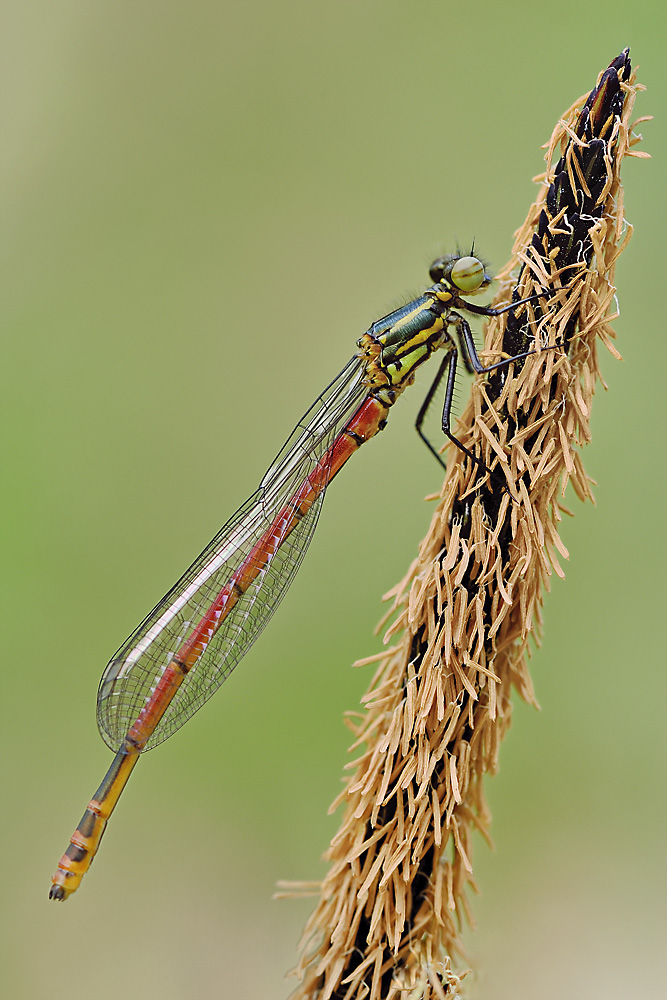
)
(204, 205)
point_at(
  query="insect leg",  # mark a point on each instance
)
(447, 413)
(468, 348)
(444, 364)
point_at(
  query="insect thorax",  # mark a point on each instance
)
(395, 346)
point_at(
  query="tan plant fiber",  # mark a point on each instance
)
(393, 901)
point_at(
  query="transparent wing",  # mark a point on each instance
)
(249, 548)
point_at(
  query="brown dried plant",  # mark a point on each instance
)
(391, 907)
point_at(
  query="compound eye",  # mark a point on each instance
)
(467, 274)
(437, 269)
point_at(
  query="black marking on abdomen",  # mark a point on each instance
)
(87, 824)
(357, 438)
(75, 853)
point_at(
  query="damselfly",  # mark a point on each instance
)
(192, 640)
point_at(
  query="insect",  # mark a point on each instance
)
(192, 640)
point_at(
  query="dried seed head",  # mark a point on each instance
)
(394, 899)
